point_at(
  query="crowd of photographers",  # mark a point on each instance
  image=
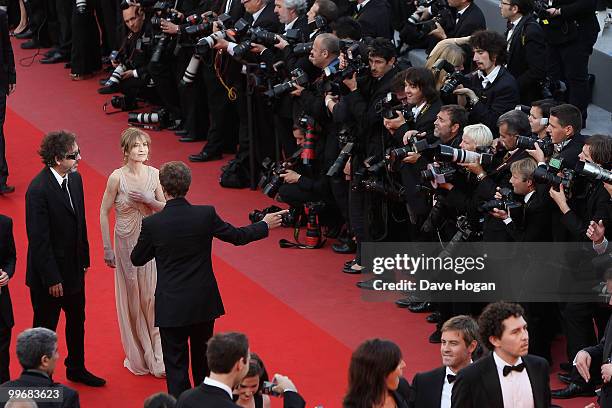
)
(484, 143)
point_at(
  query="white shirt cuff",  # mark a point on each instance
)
(507, 220)
(135, 73)
(601, 247)
(230, 48)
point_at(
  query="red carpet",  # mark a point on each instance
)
(301, 314)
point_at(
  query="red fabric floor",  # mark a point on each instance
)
(301, 314)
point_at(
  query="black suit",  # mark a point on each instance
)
(499, 97)
(527, 58)
(599, 356)
(375, 19)
(208, 396)
(478, 385)
(35, 378)
(7, 76)
(467, 23)
(427, 388)
(8, 258)
(187, 299)
(58, 252)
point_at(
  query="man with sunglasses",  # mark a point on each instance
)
(58, 250)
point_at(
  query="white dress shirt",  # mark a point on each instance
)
(516, 387)
(416, 111)
(489, 79)
(218, 384)
(60, 180)
(231, 45)
(289, 26)
(514, 24)
(525, 200)
(362, 5)
(447, 390)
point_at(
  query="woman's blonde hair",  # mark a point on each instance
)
(480, 133)
(129, 137)
(447, 51)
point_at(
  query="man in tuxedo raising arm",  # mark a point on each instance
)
(508, 377)
(187, 299)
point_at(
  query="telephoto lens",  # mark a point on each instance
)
(81, 6)
(192, 70)
(594, 172)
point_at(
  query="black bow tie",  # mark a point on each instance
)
(518, 368)
(509, 25)
(450, 378)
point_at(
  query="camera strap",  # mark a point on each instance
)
(285, 243)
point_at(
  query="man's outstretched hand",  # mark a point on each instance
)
(274, 220)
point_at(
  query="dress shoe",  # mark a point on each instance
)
(436, 337)
(50, 52)
(433, 318)
(30, 45)
(110, 89)
(348, 247)
(189, 139)
(404, 302)
(181, 132)
(423, 307)
(84, 377)
(573, 390)
(353, 269)
(56, 58)
(25, 34)
(176, 125)
(367, 284)
(204, 157)
(566, 378)
(6, 189)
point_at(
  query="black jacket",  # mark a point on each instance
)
(576, 22)
(58, 250)
(180, 239)
(8, 74)
(8, 258)
(34, 378)
(499, 97)
(531, 222)
(527, 58)
(599, 356)
(477, 385)
(208, 396)
(375, 19)
(427, 388)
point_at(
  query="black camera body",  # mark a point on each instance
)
(123, 103)
(552, 179)
(389, 105)
(415, 145)
(528, 143)
(438, 173)
(506, 202)
(288, 219)
(298, 78)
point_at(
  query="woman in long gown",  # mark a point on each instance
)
(135, 192)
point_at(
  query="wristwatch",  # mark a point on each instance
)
(481, 176)
(474, 100)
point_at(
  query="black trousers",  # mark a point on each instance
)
(570, 62)
(193, 103)
(577, 320)
(86, 54)
(47, 312)
(4, 172)
(176, 351)
(64, 19)
(5, 356)
(223, 130)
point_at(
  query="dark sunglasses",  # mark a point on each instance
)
(73, 156)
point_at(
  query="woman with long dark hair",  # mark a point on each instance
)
(375, 377)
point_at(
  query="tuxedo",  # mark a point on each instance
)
(478, 384)
(209, 396)
(187, 298)
(8, 258)
(375, 19)
(7, 76)
(499, 97)
(427, 388)
(531, 222)
(58, 252)
(527, 58)
(468, 22)
(36, 379)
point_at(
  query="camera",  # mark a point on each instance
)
(415, 145)
(288, 219)
(299, 77)
(450, 154)
(319, 23)
(566, 179)
(255, 35)
(123, 103)
(594, 172)
(271, 179)
(389, 105)
(303, 48)
(528, 143)
(506, 202)
(150, 120)
(553, 89)
(438, 173)
(81, 6)
(453, 80)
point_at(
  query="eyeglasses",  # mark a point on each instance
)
(505, 4)
(73, 156)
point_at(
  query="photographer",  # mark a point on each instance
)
(539, 115)
(326, 9)
(374, 17)
(571, 29)
(493, 90)
(451, 53)
(526, 48)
